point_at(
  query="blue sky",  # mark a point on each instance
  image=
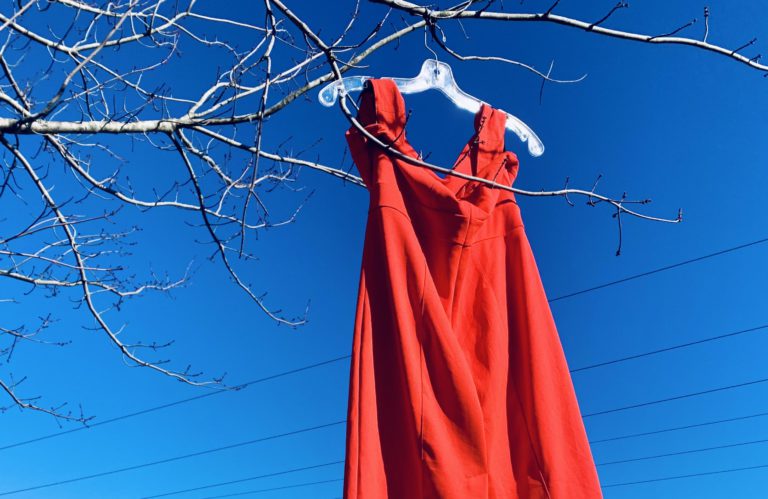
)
(679, 125)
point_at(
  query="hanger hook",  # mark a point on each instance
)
(426, 45)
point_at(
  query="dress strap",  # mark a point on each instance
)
(484, 155)
(383, 113)
(490, 127)
(381, 103)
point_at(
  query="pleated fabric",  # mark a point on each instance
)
(459, 388)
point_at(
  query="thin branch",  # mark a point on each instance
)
(548, 17)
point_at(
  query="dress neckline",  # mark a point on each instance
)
(382, 112)
(487, 140)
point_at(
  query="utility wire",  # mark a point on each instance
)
(171, 459)
(173, 404)
(667, 349)
(327, 425)
(676, 397)
(660, 269)
(344, 357)
(336, 423)
(692, 475)
(683, 452)
(676, 428)
(318, 427)
(241, 480)
(258, 491)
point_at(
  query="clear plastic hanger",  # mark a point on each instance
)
(437, 75)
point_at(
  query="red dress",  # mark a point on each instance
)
(459, 388)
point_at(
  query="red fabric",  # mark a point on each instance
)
(459, 387)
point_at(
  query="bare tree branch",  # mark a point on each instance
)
(85, 84)
(549, 17)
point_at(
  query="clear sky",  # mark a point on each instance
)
(679, 125)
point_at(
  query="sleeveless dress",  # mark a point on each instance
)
(459, 388)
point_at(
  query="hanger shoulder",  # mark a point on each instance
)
(524, 132)
(433, 75)
(329, 93)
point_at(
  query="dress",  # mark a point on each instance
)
(459, 388)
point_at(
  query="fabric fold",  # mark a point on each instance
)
(458, 384)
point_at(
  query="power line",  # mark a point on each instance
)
(337, 359)
(667, 349)
(172, 459)
(173, 404)
(241, 480)
(692, 475)
(335, 423)
(677, 397)
(257, 491)
(676, 428)
(660, 269)
(683, 452)
(344, 357)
